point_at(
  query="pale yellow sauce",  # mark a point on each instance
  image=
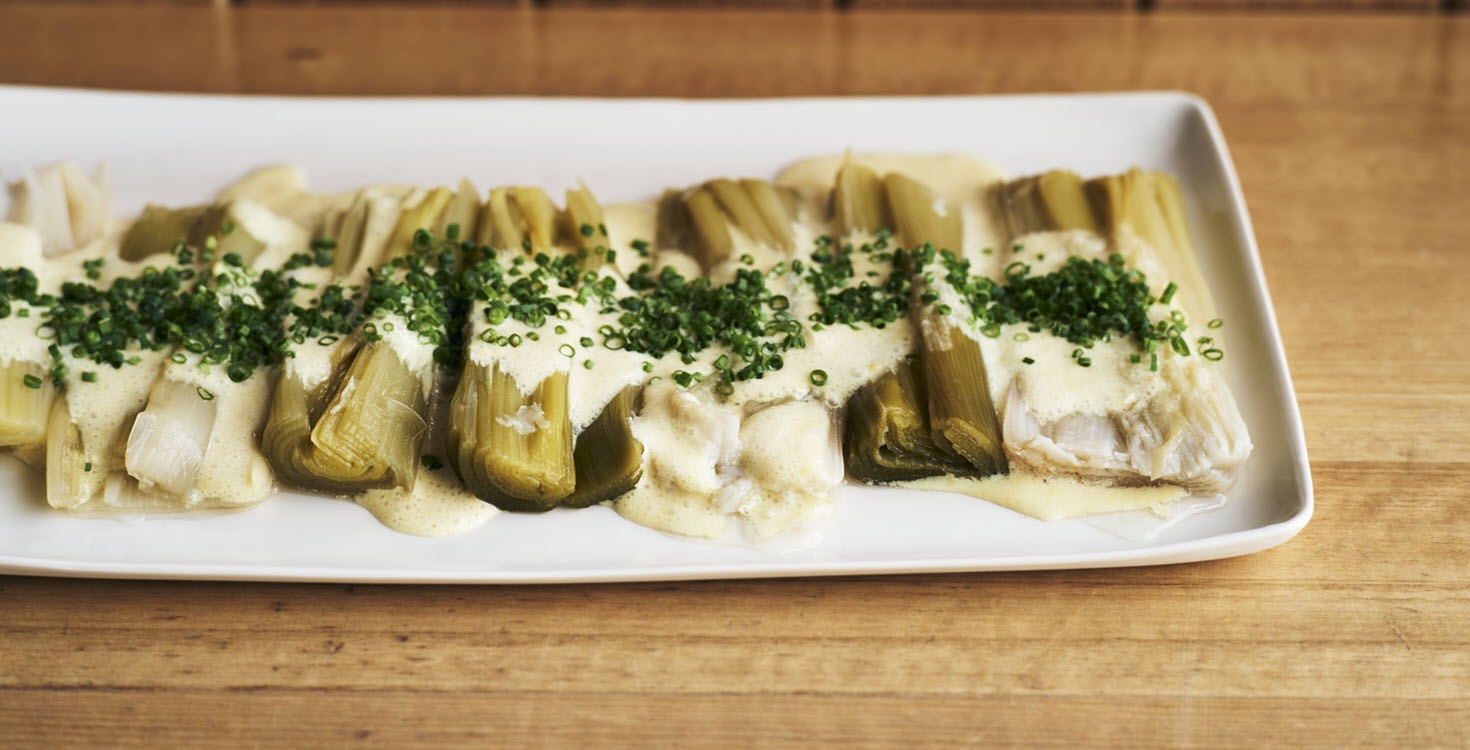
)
(1054, 500)
(436, 506)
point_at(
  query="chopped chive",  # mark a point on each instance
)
(1180, 345)
(1168, 294)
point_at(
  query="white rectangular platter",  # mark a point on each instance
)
(175, 149)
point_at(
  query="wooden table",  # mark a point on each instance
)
(1352, 137)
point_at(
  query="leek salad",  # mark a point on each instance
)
(721, 358)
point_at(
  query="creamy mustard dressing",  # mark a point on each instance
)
(690, 447)
(764, 457)
(436, 504)
(793, 478)
(1053, 499)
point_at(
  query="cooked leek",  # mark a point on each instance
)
(1151, 206)
(887, 437)
(675, 226)
(305, 383)
(461, 215)
(586, 227)
(1185, 429)
(371, 430)
(514, 447)
(711, 228)
(723, 211)
(157, 229)
(72, 476)
(421, 211)
(510, 449)
(296, 405)
(961, 414)
(609, 459)
(1051, 201)
(167, 443)
(353, 419)
(921, 217)
(220, 230)
(26, 389)
(777, 208)
(519, 219)
(26, 394)
(859, 201)
(174, 447)
(69, 209)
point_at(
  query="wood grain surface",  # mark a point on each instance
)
(1352, 137)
